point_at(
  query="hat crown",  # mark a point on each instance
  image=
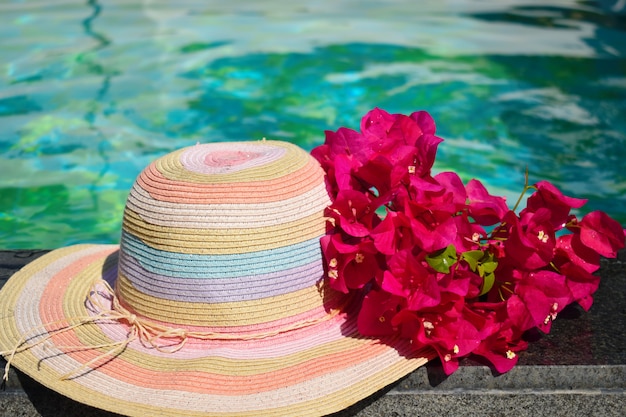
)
(226, 235)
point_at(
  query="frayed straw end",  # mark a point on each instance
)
(5, 377)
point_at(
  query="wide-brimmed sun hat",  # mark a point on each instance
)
(214, 303)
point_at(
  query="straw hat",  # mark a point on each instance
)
(214, 303)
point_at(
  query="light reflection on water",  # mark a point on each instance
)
(90, 92)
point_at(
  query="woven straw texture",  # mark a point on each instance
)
(220, 239)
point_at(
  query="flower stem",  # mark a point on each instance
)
(526, 188)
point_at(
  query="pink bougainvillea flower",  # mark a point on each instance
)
(407, 323)
(531, 240)
(543, 294)
(422, 190)
(375, 125)
(501, 344)
(444, 192)
(393, 233)
(569, 248)
(410, 279)
(361, 266)
(374, 176)
(485, 208)
(387, 233)
(424, 121)
(444, 265)
(402, 165)
(469, 234)
(349, 265)
(334, 263)
(460, 281)
(404, 131)
(432, 229)
(581, 283)
(348, 142)
(601, 233)
(455, 192)
(549, 197)
(452, 337)
(353, 211)
(344, 166)
(377, 312)
(425, 159)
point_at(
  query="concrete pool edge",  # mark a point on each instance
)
(578, 369)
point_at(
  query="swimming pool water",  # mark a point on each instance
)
(92, 91)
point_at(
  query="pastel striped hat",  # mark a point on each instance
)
(214, 303)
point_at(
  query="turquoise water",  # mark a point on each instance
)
(92, 91)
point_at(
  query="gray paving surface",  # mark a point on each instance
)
(577, 370)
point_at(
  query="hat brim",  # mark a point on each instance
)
(311, 371)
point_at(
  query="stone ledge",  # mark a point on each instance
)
(578, 369)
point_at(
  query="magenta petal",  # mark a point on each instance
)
(571, 248)
(376, 123)
(393, 285)
(335, 273)
(601, 233)
(450, 365)
(424, 121)
(427, 144)
(585, 302)
(531, 248)
(551, 194)
(467, 338)
(433, 230)
(353, 211)
(404, 131)
(353, 228)
(458, 282)
(348, 142)
(384, 235)
(499, 359)
(321, 153)
(338, 245)
(518, 313)
(409, 279)
(549, 197)
(360, 271)
(375, 175)
(485, 208)
(344, 166)
(544, 293)
(454, 187)
(423, 186)
(581, 284)
(349, 265)
(408, 323)
(377, 312)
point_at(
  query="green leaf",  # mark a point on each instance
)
(489, 266)
(488, 281)
(442, 260)
(472, 257)
(486, 269)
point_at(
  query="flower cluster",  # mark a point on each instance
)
(448, 265)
